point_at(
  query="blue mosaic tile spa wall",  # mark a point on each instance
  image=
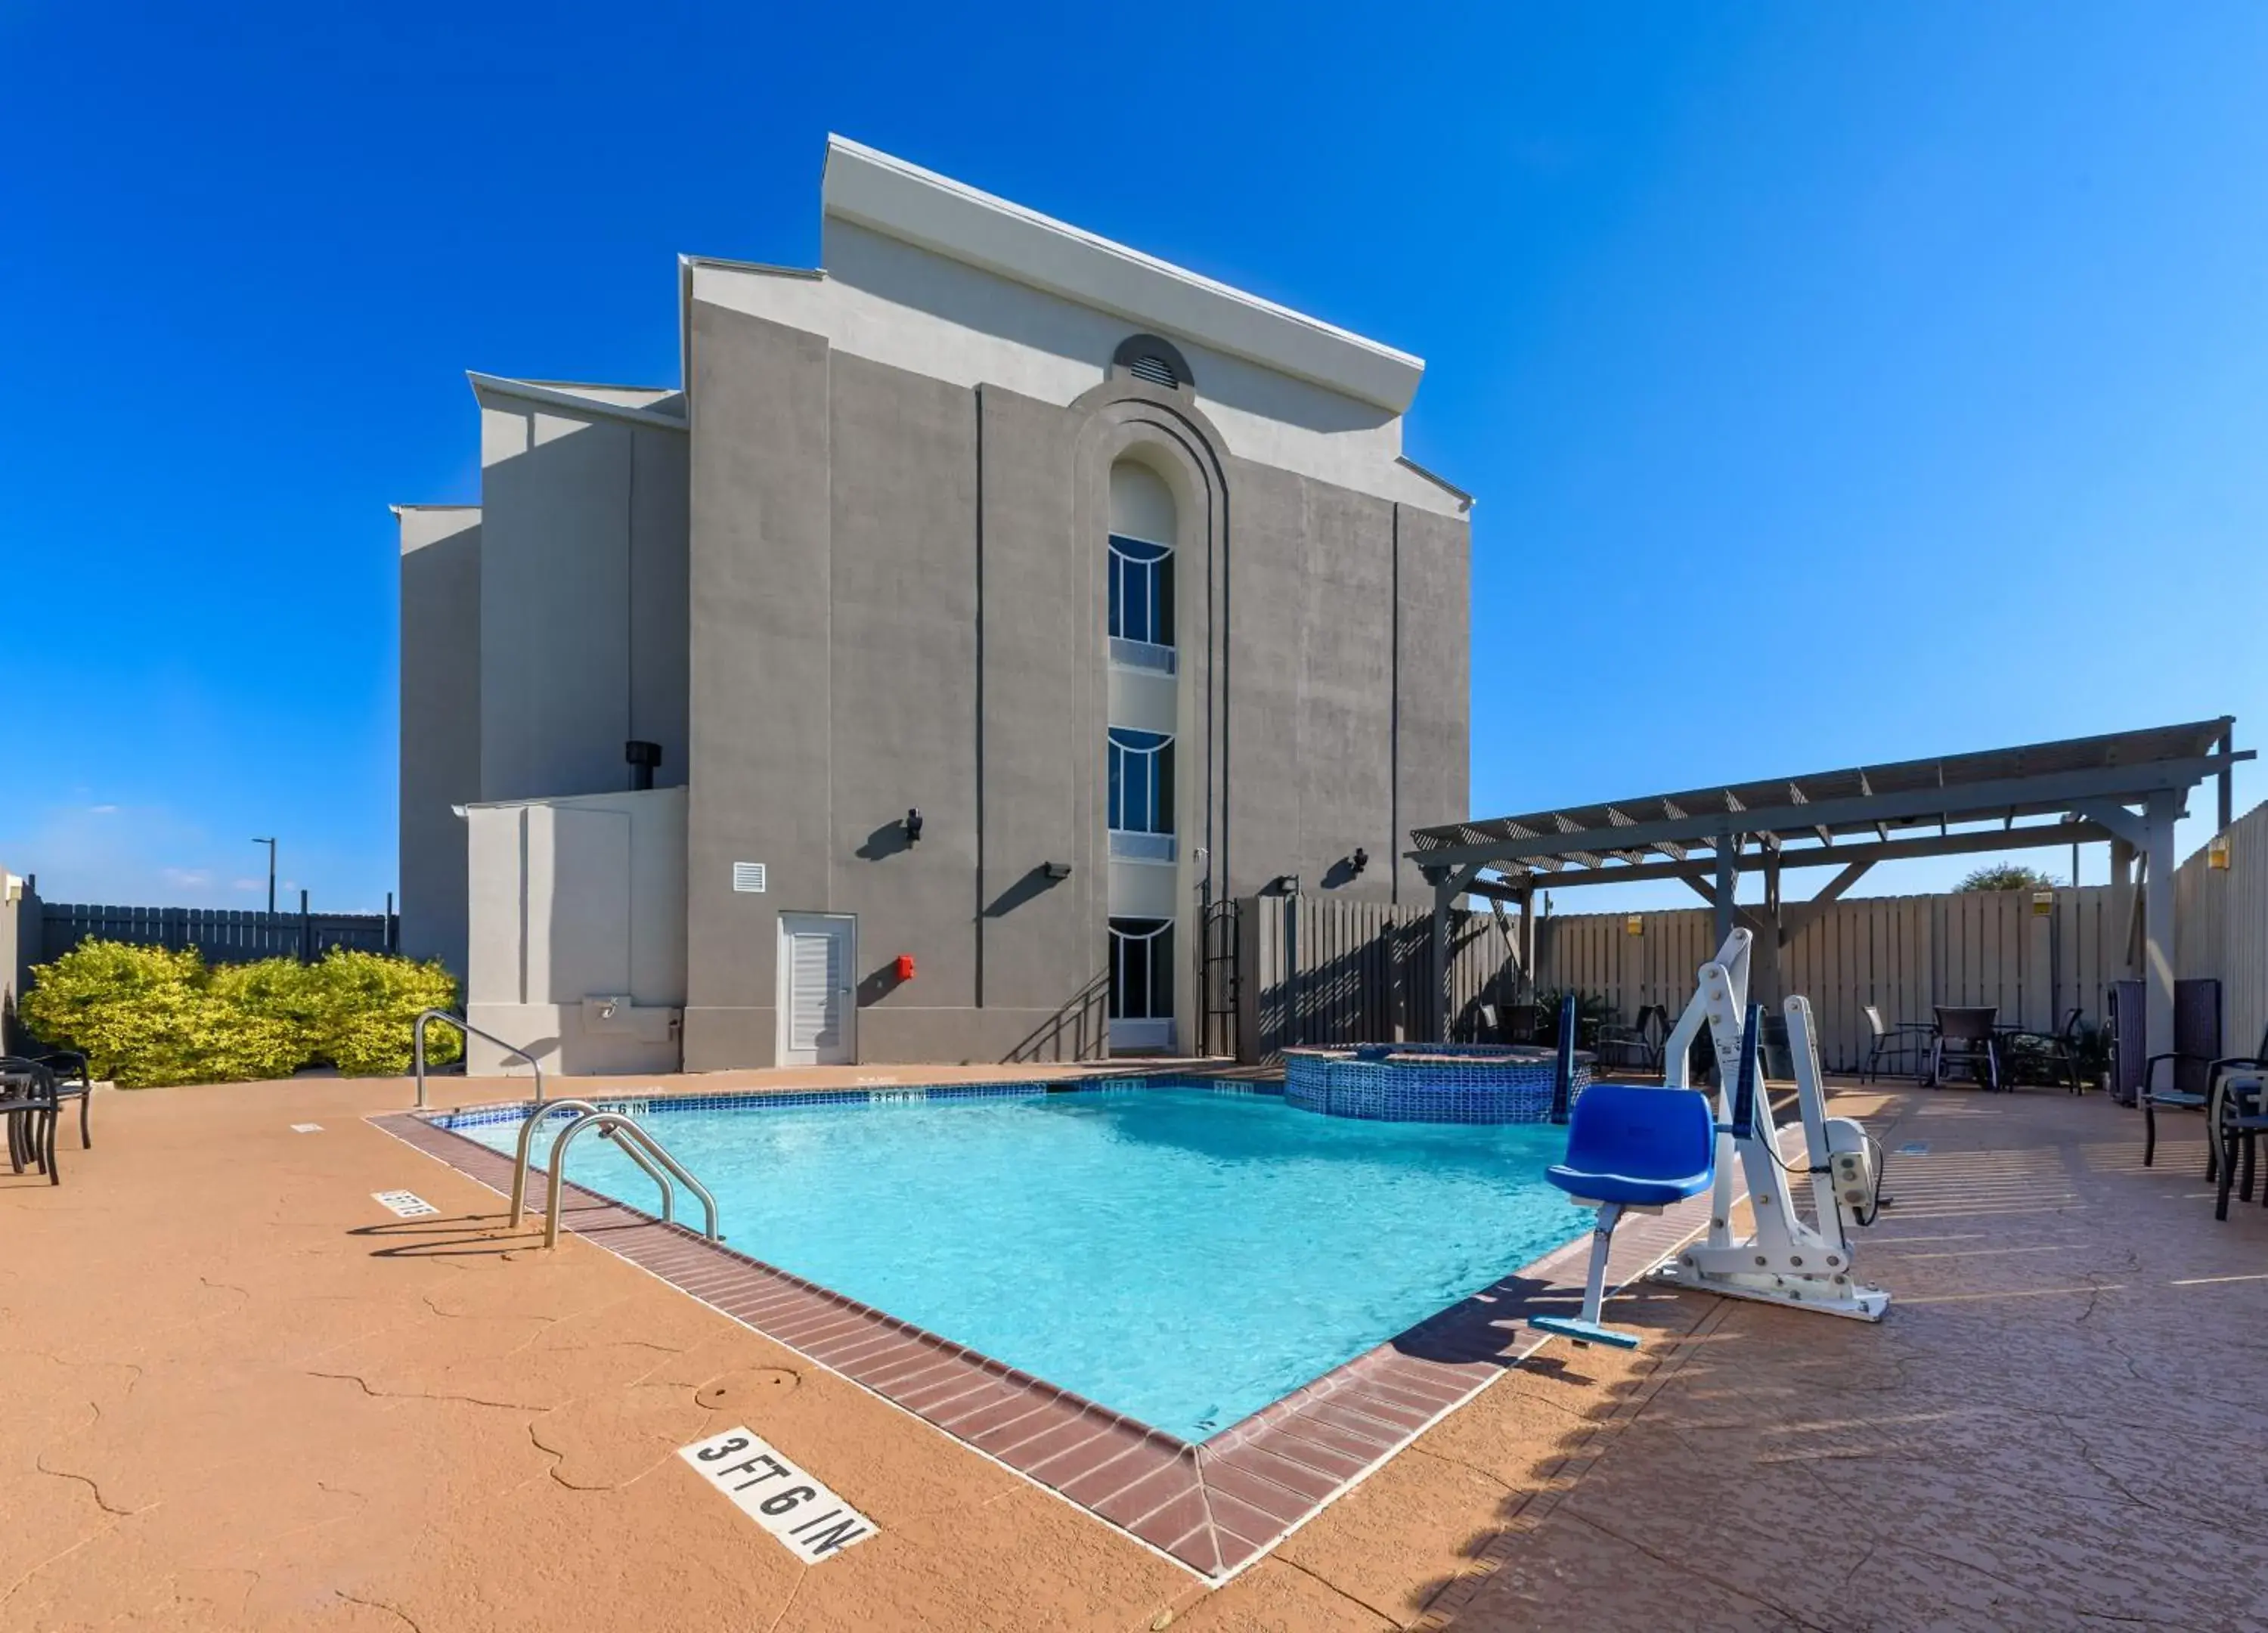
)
(1427, 1083)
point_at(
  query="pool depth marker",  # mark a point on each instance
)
(806, 1518)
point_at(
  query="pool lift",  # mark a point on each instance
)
(1634, 1149)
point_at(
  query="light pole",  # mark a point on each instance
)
(271, 870)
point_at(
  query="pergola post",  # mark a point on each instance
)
(1727, 860)
(1528, 940)
(2122, 903)
(1776, 926)
(2225, 806)
(2158, 818)
(1445, 892)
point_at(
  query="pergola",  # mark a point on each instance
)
(2125, 790)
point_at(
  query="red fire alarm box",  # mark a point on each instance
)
(905, 967)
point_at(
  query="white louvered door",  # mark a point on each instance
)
(816, 1008)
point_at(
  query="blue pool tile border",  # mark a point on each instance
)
(659, 1102)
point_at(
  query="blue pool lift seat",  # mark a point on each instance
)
(1641, 1147)
(1629, 1146)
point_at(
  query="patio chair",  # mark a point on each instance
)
(2238, 1076)
(2061, 1046)
(1901, 1042)
(69, 1069)
(2235, 1122)
(1638, 1045)
(28, 1104)
(1965, 1036)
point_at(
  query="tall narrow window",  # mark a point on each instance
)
(1141, 969)
(1141, 592)
(1141, 794)
(1141, 568)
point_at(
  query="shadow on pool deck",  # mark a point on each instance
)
(239, 1395)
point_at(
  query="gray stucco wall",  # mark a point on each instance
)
(1434, 681)
(1044, 941)
(844, 670)
(583, 599)
(760, 588)
(1348, 690)
(896, 599)
(902, 691)
(441, 725)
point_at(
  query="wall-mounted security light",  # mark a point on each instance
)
(2216, 853)
(1287, 884)
(642, 757)
(1057, 870)
(1358, 861)
(913, 827)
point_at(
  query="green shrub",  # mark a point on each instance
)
(138, 1012)
(362, 1006)
(147, 1017)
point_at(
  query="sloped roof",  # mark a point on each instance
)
(902, 201)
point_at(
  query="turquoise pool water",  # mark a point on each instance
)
(1182, 1256)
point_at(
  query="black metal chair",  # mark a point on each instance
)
(1521, 1022)
(2060, 1045)
(1638, 1045)
(1966, 1036)
(1901, 1042)
(2222, 1099)
(69, 1068)
(2237, 1119)
(28, 1105)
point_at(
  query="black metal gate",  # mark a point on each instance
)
(1220, 982)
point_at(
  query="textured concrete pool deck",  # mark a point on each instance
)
(240, 1394)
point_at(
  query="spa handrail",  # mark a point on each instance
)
(417, 1039)
(626, 1131)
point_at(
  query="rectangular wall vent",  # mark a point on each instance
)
(748, 876)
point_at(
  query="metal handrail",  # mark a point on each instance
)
(526, 1144)
(627, 1130)
(636, 1152)
(521, 1160)
(417, 1040)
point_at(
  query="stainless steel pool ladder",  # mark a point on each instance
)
(418, 1045)
(631, 1139)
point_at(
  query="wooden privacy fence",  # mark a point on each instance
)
(222, 934)
(1316, 970)
(1313, 970)
(2222, 926)
(2031, 960)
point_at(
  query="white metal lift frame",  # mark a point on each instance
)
(1783, 1260)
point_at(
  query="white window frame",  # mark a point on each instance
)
(1156, 828)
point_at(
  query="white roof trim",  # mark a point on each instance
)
(498, 386)
(917, 206)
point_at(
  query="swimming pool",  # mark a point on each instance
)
(1183, 1255)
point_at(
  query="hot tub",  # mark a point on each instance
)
(1428, 1081)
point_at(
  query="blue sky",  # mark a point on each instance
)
(1838, 384)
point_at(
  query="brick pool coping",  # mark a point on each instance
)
(1214, 1506)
